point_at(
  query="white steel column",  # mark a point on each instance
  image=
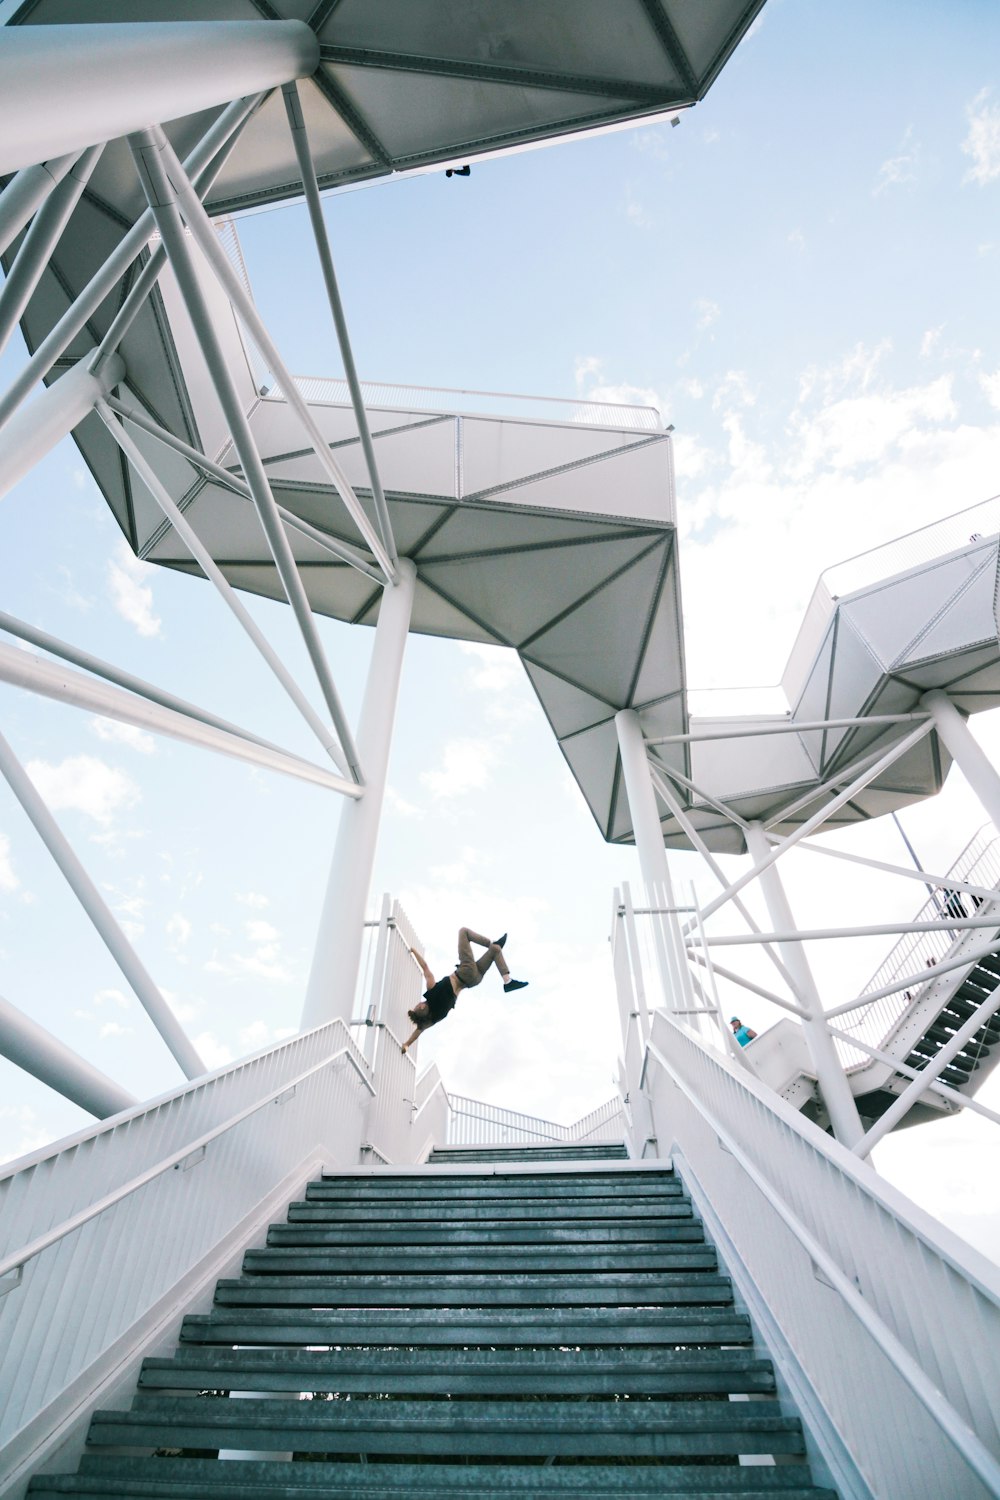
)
(38, 1052)
(968, 755)
(63, 87)
(830, 1075)
(338, 942)
(653, 867)
(99, 913)
(36, 428)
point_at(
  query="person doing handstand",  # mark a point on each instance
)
(440, 995)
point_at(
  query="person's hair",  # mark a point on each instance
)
(422, 1021)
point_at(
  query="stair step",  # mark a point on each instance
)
(469, 1211)
(481, 1372)
(598, 1289)
(499, 1260)
(497, 1186)
(503, 1327)
(609, 1429)
(236, 1479)
(641, 1231)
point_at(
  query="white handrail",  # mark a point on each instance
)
(19, 1258)
(970, 1447)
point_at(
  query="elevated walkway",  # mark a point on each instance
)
(544, 1321)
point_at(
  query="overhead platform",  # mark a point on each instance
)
(409, 84)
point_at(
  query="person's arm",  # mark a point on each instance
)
(424, 969)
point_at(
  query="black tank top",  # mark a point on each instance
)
(440, 998)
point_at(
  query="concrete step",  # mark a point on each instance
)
(469, 1211)
(462, 1372)
(497, 1260)
(503, 1327)
(555, 1233)
(599, 1289)
(509, 1429)
(238, 1479)
(496, 1186)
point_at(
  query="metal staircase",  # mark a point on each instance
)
(531, 1321)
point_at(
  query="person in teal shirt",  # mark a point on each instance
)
(743, 1034)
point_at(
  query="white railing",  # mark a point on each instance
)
(471, 1122)
(445, 401)
(885, 1326)
(978, 864)
(176, 1183)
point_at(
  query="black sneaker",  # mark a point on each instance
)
(515, 984)
(501, 940)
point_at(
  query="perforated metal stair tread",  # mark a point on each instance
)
(478, 1334)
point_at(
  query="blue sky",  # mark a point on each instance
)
(802, 277)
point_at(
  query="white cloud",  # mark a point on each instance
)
(114, 1028)
(982, 143)
(260, 932)
(124, 734)
(84, 784)
(131, 597)
(707, 313)
(179, 928)
(398, 805)
(586, 366)
(8, 879)
(901, 170)
(864, 429)
(733, 389)
(497, 670)
(930, 341)
(113, 997)
(467, 766)
(252, 898)
(213, 1053)
(634, 211)
(991, 388)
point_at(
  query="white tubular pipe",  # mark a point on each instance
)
(214, 573)
(835, 1089)
(200, 163)
(35, 429)
(41, 239)
(648, 834)
(203, 233)
(310, 186)
(64, 87)
(146, 153)
(99, 913)
(21, 669)
(338, 943)
(22, 198)
(29, 1046)
(969, 756)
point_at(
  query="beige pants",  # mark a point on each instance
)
(470, 970)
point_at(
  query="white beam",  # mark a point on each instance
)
(870, 773)
(876, 929)
(64, 87)
(22, 669)
(833, 1085)
(36, 428)
(968, 755)
(146, 152)
(338, 943)
(35, 250)
(29, 1046)
(214, 573)
(201, 164)
(204, 234)
(22, 197)
(925, 877)
(784, 726)
(99, 912)
(300, 139)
